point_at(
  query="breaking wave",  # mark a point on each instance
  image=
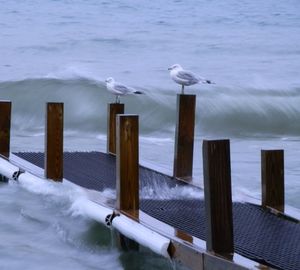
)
(221, 110)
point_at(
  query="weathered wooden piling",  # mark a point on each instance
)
(5, 123)
(272, 174)
(127, 166)
(112, 110)
(218, 199)
(54, 141)
(127, 162)
(184, 137)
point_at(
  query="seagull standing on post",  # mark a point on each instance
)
(185, 77)
(119, 89)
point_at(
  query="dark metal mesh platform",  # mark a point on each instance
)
(96, 170)
(258, 235)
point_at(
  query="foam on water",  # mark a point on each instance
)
(161, 191)
(37, 222)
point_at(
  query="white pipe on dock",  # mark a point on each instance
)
(93, 210)
(142, 235)
(26, 178)
(7, 169)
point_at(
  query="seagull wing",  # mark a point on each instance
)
(187, 76)
(122, 89)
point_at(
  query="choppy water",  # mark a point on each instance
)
(43, 230)
(63, 50)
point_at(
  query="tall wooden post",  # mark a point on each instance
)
(127, 150)
(112, 110)
(54, 141)
(184, 137)
(5, 123)
(127, 162)
(218, 199)
(272, 173)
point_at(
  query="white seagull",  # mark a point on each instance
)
(185, 77)
(119, 89)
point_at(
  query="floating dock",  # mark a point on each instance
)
(258, 234)
(214, 233)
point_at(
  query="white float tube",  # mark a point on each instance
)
(26, 178)
(95, 211)
(7, 169)
(142, 235)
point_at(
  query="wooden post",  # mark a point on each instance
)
(112, 110)
(218, 199)
(54, 141)
(127, 162)
(127, 143)
(5, 122)
(272, 173)
(184, 137)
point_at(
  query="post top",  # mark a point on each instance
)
(127, 115)
(186, 95)
(54, 103)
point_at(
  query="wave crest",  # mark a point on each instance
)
(220, 111)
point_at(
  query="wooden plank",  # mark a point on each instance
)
(127, 162)
(272, 174)
(214, 262)
(5, 123)
(186, 255)
(218, 199)
(54, 141)
(112, 110)
(184, 236)
(184, 137)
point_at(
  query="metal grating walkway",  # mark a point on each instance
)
(258, 235)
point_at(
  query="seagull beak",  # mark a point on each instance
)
(169, 68)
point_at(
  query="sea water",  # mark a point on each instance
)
(55, 50)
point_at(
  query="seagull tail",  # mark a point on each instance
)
(208, 82)
(138, 92)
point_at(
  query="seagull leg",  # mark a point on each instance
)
(182, 89)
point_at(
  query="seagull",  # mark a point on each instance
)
(119, 89)
(185, 77)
